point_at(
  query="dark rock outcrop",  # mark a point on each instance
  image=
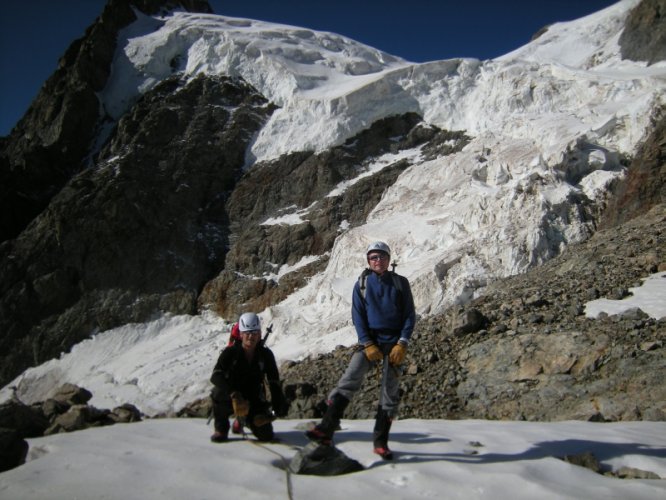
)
(645, 183)
(299, 184)
(588, 460)
(13, 449)
(139, 233)
(323, 460)
(66, 411)
(27, 421)
(644, 34)
(51, 143)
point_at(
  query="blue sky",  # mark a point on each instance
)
(35, 33)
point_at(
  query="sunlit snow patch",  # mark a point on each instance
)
(650, 297)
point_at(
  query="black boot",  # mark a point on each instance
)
(221, 412)
(323, 433)
(380, 434)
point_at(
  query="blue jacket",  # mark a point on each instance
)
(386, 315)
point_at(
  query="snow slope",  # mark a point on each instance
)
(471, 459)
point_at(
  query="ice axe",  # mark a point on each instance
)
(268, 332)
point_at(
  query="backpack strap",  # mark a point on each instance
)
(361, 281)
(397, 281)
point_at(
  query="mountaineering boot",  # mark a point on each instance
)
(323, 432)
(262, 428)
(380, 434)
(219, 437)
(221, 433)
(385, 453)
(318, 435)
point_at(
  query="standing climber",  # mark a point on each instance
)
(384, 317)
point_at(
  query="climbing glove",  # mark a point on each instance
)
(398, 353)
(278, 401)
(240, 405)
(373, 353)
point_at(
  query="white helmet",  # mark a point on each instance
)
(378, 246)
(249, 322)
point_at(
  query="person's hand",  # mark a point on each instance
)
(280, 407)
(397, 354)
(373, 353)
(240, 405)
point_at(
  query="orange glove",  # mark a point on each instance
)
(240, 404)
(373, 353)
(397, 354)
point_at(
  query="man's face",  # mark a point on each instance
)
(250, 339)
(378, 262)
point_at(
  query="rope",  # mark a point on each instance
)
(285, 463)
(242, 426)
(381, 369)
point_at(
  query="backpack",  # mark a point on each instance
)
(235, 334)
(397, 281)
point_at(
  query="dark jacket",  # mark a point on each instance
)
(233, 373)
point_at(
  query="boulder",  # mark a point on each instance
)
(72, 395)
(468, 321)
(125, 414)
(13, 449)
(633, 473)
(26, 420)
(75, 419)
(323, 460)
(586, 459)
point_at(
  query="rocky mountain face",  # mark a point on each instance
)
(643, 186)
(526, 350)
(166, 219)
(644, 36)
(165, 216)
(304, 180)
(137, 234)
(51, 143)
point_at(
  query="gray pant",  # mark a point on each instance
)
(351, 380)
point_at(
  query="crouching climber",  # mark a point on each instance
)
(239, 377)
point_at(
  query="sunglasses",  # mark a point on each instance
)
(378, 257)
